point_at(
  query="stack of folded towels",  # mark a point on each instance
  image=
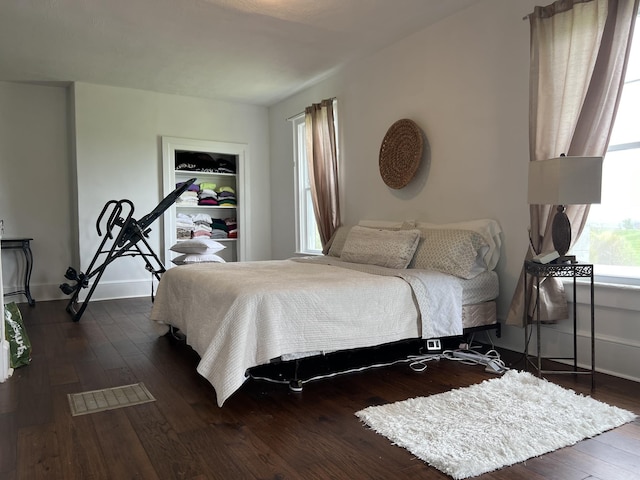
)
(232, 227)
(226, 196)
(219, 228)
(207, 194)
(190, 197)
(202, 223)
(184, 226)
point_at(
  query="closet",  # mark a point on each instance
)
(220, 167)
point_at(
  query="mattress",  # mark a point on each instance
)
(481, 288)
(478, 309)
(478, 295)
(479, 314)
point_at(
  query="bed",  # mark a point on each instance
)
(378, 283)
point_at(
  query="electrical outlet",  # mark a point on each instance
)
(434, 344)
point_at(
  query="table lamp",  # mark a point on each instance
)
(564, 181)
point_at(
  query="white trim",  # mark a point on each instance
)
(303, 209)
(106, 290)
(615, 306)
(120, 289)
(620, 297)
(295, 123)
(5, 369)
(609, 351)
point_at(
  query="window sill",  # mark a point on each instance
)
(611, 295)
(308, 254)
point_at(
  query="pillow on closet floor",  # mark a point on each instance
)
(198, 245)
(198, 258)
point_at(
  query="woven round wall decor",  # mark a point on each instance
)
(400, 153)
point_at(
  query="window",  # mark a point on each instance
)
(611, 237)
(307, 235)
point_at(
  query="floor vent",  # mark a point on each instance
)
(109, 399)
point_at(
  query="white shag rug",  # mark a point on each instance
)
(499, 422)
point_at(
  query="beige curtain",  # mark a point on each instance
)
(323, 166)
(578, 57)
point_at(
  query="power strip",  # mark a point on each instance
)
(476, 357)
(492, 365)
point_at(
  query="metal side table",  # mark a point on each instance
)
(21, 243)
(566, 270)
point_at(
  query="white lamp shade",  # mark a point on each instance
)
(565, 181)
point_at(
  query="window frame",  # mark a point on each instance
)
(305, 222)
(622, 275)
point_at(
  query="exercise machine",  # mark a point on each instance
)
(124, 236)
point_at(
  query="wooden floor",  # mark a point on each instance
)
(263, 431)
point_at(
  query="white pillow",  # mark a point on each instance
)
(386, 248)
(336, 243)
(198, 245)
(456, 252)
(488, 228)
(198, 258)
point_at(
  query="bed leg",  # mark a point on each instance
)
(175, 334)
(295, 385)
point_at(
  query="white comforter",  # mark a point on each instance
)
(239, 315)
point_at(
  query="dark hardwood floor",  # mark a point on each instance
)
(263, 431)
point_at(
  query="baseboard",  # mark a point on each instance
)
(615, 356)
(617, 342)
(104, 291)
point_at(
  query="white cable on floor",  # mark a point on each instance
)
(491, 360)
(411, 360)
(417, 363)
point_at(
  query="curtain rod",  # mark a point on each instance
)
(293, 117)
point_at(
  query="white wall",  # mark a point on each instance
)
(465, 81)
(64, 152)
(35, 187)
(119, 155)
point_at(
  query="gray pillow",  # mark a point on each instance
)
(386, 248)
(456, 252)
(197, 245)
(337, 241)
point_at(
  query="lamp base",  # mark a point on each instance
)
(561, 231)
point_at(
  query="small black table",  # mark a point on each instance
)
(563, 270)
(21, 243)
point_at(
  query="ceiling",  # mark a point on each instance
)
(254, 51)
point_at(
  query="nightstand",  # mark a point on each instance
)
(23, 244)
(540, 271)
